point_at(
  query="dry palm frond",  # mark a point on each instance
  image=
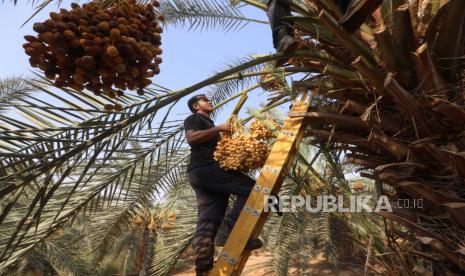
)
(404, 121)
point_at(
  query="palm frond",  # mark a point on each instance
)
(57, 253)
(163, 178)
(223, 103)
(98, 187)
(33, 261)
(131, 256)
(285, 236)
(173, 241)
(245, 79)
(120, 245)
(63, 258)
(202, 15)
(12, 88)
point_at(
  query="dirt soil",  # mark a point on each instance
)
(257, 265)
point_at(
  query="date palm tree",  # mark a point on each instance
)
(391, 77)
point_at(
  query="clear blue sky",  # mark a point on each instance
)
(188, 56)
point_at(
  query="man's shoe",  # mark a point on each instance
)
(287, 43)
(252, 244)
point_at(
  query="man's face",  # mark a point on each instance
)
(204, 104)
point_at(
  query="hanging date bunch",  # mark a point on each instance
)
(102, 50)
(261, 131)
(243, 151)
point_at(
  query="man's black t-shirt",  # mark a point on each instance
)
(201, 154)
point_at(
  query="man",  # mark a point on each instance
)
(212, 185)
(283, 31)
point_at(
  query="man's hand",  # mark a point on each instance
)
(224, 127)
(199, 136)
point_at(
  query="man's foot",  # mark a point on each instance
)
(286, 44)
(252, 244)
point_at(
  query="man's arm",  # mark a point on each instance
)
(199, 136)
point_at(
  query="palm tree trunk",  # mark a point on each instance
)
(149, 243)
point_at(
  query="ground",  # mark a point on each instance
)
(258, 263)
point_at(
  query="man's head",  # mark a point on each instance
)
(200, 103)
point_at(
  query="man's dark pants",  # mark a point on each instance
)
(277, 10)
(212, 186)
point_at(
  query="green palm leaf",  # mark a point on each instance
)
(12, 88)
(202, 15)
(172, 242)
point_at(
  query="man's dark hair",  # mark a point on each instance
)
(193, 100)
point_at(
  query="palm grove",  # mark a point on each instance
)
(84, 190)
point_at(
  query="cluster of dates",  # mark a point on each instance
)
(245, 151)
(103, 50)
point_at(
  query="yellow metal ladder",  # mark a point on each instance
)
(233, 257)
